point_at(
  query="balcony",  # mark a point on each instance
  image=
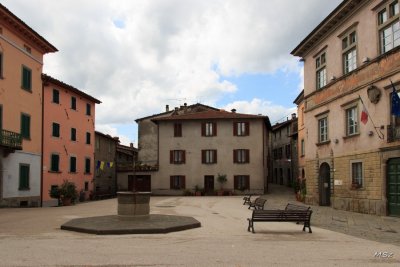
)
(146, 167)
(10, 140)
(393, 133)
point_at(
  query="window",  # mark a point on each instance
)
(320, 63)
(86, 186)
(349, 50)
(55, 163)
(177, 182)
(280, 153)
(351, 121)
(23, 177)
(389, 26)
(88, 109)
(241, 128)
(275, 154)
(177, 130)
(209, 129)
(88, 138)
(288, 151)
(73, 134)
(177, 156)
(87, 165)
(241, 156)
(56, 96)
(241, 182)
(73, 103)
(72, 164)
(1, 65)
(356, 175)
(208, 156)
(26, 80)
(1, 117)
(323, 130)
(56, 129)
(25, 126)
(302, 149)
(27, 49)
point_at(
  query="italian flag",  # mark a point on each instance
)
(364, 115)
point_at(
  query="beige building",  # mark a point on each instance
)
(301, 136)
(352, 162)
(194, 144)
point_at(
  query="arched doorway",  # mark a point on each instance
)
(324, 185)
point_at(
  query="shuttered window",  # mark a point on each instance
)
(241, 128)
(87, 165)
(25, 126)
(241, 155)
(55, 163)
(177, 182)
(72, 164)
(24, 177)
(177, 156)
(209, 129)
(56, 96)
(241, 182)
(26, 79)
(209, 156)
(56, 129)
(177, 130)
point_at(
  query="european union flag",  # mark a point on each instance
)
(395, 102)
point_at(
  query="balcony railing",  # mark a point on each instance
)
(10, 140)
(393, 133)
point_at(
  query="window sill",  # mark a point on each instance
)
(323, 143)
(177, 163)
(209, 163)
(24, 189)
(26, 138)
(27, 90)
(351, 136)
(302, 156)
(87, 173)
(73, 172)
(55, 171)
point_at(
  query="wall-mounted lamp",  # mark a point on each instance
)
(370, 133)
(336, 141)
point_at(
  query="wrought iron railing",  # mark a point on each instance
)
(10, 139)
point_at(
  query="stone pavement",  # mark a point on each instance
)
(378, 228)
(32, 237)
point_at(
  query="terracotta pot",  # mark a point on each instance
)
(66, 201)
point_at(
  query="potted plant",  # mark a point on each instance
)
(68, 192)
(197, 191)
(221, 178)
(54, 192)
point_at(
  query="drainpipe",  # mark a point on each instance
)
(41, 156)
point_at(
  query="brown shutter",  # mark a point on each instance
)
(203, 156)
(183, 182)
(171, 182)
(234, 129)
(183, 156)
(214, 128)
(235, 182)
(215, 156)
(203, 129)
(247, 125)
(234, 156)
(171, 156)
(247, 155)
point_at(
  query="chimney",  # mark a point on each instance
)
(233, 110)
(131, 144)
(293, 116)
(166, 108)
(185, 104)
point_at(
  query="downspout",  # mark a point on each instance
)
(41, 156)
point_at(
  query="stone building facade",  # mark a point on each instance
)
(352, 140)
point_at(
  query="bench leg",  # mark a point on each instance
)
(308, 226)
(251, 225)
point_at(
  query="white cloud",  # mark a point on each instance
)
(137, 56)
(264, 107)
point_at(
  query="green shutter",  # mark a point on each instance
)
(26, 78)
(25, 126)
(73, 134)
(73, 103)
(56, 129)
(55, 159)
(23, 177)
(88, 138)
(87, 165)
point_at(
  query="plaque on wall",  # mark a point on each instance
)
(374, 94)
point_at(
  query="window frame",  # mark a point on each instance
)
(24, 185)
(388, 23)
(177, 182)
(241, 156)
(56, 96)
(177, 156)
(320, 68)
(349, 46)
(72, 164)
(54, 162)
(177, 129)
(357, 182)
(88, 138)
(241, 128)
(356, 120)
(73, 134)
(88, 168)
(55, 130)
(26, 84)
(88, 109)
(25, 129)
(73, 103)
(209, 156)
(320, 134)
(209, 129)
(241, 182)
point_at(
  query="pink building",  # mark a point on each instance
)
(68, 137)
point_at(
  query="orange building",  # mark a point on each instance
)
(68, 134)
(21, 63)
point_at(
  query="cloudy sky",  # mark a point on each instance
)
(137, 56)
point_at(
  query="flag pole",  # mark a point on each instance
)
(379, 133)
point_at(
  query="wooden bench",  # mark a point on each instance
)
(291, 206)
(247, 199)
(257, 204)
(303, 216)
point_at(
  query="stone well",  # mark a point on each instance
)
(133, 203)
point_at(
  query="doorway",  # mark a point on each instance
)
(140, 183)
(393, 186)
(324, 185)
(209, 184)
